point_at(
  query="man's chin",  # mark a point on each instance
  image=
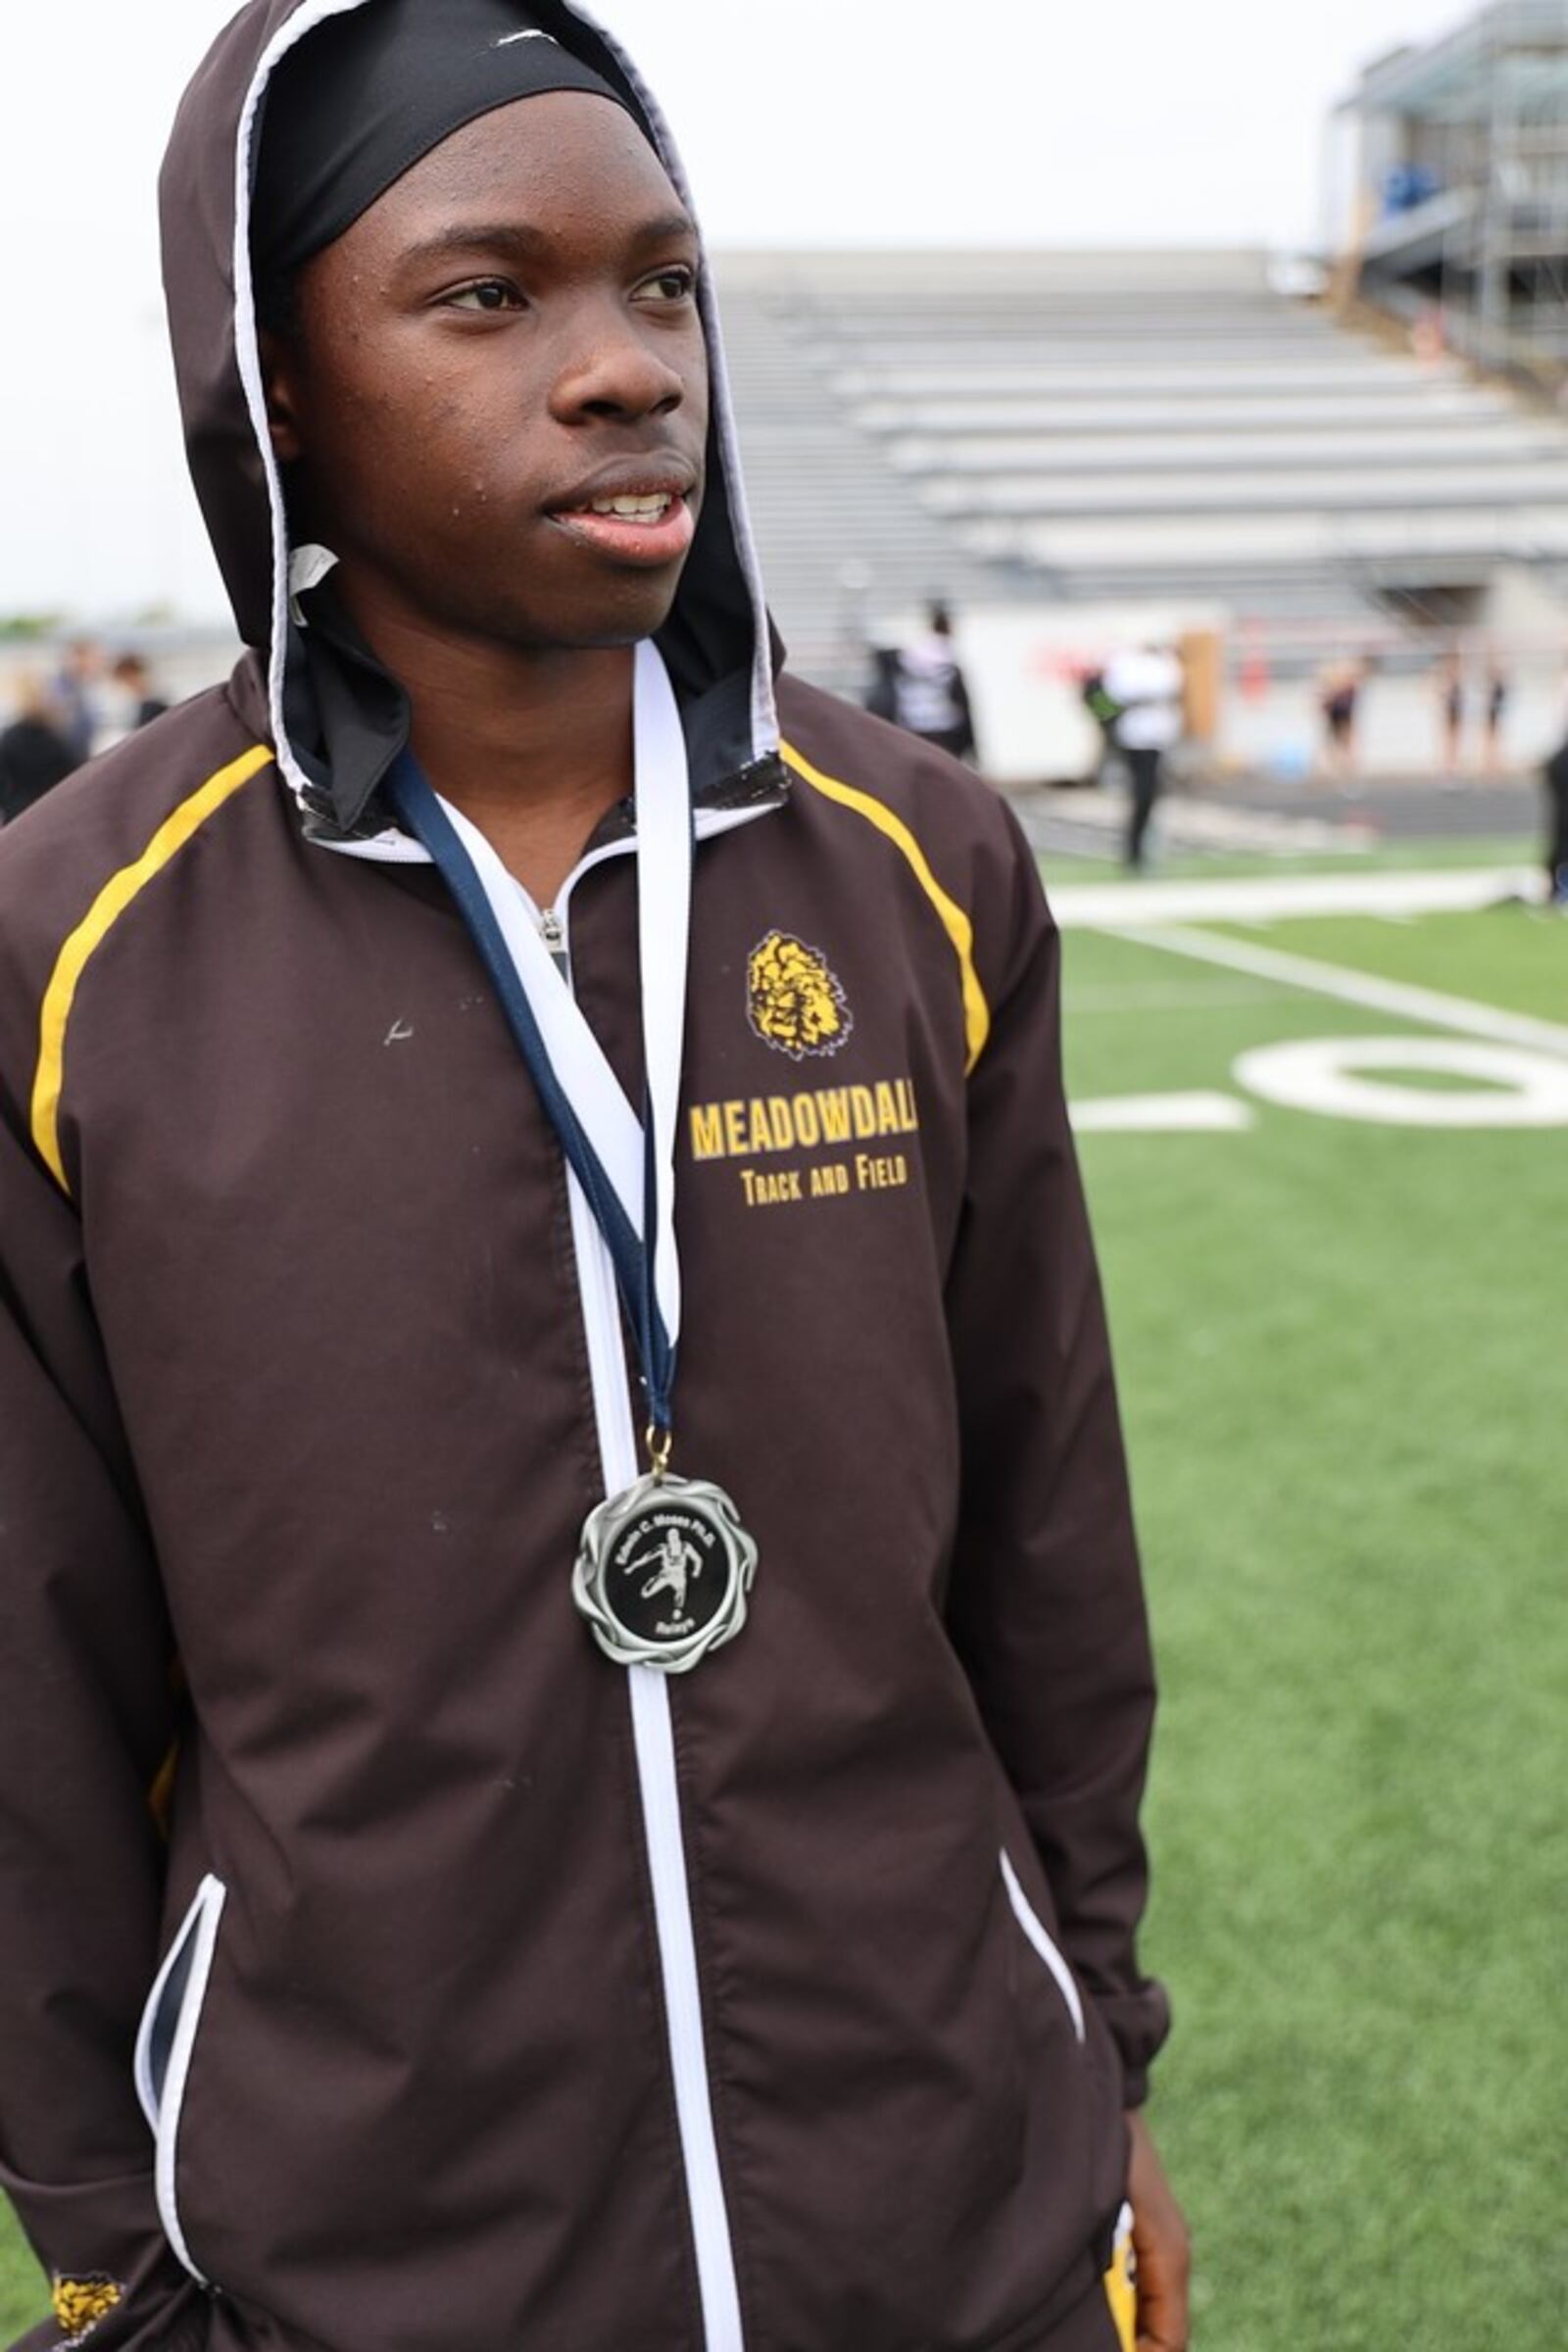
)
(608, 624)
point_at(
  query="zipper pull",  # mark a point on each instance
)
(551, 932)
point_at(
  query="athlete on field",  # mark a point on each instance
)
(510, 1090)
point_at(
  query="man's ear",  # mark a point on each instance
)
(280, 380)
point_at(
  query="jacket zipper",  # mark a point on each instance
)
(652, 1724)
(654, 1740)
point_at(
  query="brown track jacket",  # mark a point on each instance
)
(381, 1969)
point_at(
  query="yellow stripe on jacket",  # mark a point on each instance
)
(956, 923)
(1121, 2283)
(117, 893)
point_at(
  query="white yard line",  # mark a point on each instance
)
(1161, 1115)
(1200, 824)
(1160, 995)
(1269, 898)
(1423, 1006)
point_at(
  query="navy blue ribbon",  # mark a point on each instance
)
(416, 801)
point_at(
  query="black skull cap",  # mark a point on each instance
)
(362, 98)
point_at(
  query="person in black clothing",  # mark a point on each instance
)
(1555, 776)
(1451, 700)
(881, 697)
(1339, 700)
(1497, 695)
(929, 694)
(34, 755)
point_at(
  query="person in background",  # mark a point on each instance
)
(1102, 711)
(930, 698)
(1338, 702)
(34, 755)
(1450, 703)
(1145, 688)
(1497, 692)
(139, 704)
(73, 694)
(882, 689)
(1554, 775)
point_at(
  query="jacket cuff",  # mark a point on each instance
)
(115, 2284)
(1134, 2088)
(1138, 2023)
(187, 2333)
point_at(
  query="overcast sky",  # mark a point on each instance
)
(821, 121)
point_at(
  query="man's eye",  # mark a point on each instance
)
(489, 294)
(676, 285)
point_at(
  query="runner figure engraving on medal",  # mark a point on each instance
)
(664, 1573)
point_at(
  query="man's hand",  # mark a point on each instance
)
(1162, 2245)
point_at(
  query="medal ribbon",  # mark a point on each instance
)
(626, 1166)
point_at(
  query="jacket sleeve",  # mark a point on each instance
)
(86, 1719)
(1046, 1603)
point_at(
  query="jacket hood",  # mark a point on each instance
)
(717, 643)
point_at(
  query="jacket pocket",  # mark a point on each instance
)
(167, 2043)
(1024, 1913)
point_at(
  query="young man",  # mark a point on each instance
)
(480, 1870)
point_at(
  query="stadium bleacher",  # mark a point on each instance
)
(1111, 427)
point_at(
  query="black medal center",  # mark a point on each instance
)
(667, 1574)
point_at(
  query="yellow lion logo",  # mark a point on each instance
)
(793, 1002)
(81, 2304)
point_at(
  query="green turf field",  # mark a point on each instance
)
(1341, 1353)
(23, 2300)
(1341, 1348)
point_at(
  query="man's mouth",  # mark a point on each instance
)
(649, 506)
(647, 528)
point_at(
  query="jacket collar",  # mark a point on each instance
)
(350, 719)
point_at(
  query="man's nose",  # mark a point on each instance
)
(616, 370)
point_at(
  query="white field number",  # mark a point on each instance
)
(1358, 1078)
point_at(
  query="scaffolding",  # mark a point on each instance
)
(1458, 212)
